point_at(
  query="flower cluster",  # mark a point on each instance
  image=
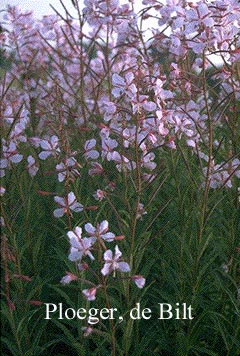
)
(143, 104)
(104, 111)
(84, 247)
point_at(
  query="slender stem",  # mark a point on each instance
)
(210, 153)
(112, 326)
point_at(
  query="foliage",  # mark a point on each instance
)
(120, 179)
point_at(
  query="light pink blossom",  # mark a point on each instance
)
(96, 169)
(112, 263)
(68, 168)
(89, 152)
(87, 330)
(2, 191)
(101, 231)
(139, 281)
(66, 204)
(32, 166)
(10, 154)
(90, 294)
(79, 246)
(50, 147)
(68, 278)
(99, 194)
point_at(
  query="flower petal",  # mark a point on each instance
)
(60, 201)
(118, 253)
(71, 234)
(139, 281)
(44, 154)
(78, 231)
(123, 267)
(89, 228)
(71, 198)
(89, 294)
(16, 158)
(117, 80)
(106, 269)
(58, 213)
(75, 255)
(77, 207)
(108, 255)
(109, 236)
(75, 243)
(103, 227)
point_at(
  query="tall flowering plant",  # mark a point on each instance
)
(129, 127)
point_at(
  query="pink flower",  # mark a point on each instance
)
(96, 169)
(68, 278)
(17, 133)
(32, 167)
(67, 203)
(10, 154)
(82, 266)
(35, 141)
(141, 101)
(76, 234)
(50, 147)
(197, 17)
(80, 249)
(100, 231)
(119, 85)
(68, 167)
(147, 161)
(139, 281)
(123, 85)
(87, 330)
(2, 191)
(99, 195)
(109, 109)
(160, 122)
(140, 211)
(90, 294)
(79, 246)
(112, 264)
(2, 222)
(90, 153)
(108, 146)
